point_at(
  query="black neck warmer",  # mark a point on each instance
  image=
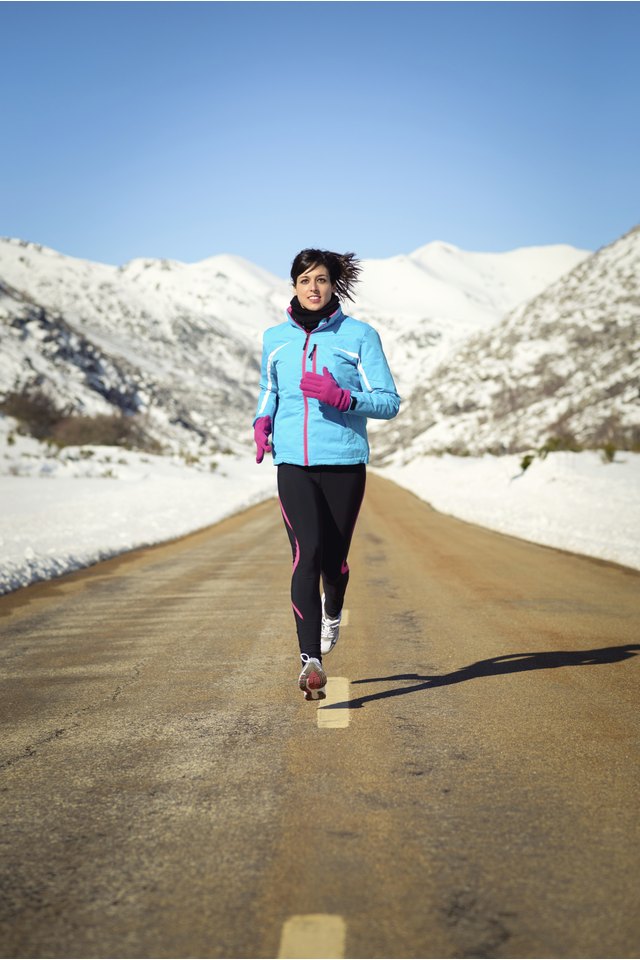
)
(309, 319)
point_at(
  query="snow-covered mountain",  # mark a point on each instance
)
(180, 343)
(425, 303)
(565, 365)
(176, 342)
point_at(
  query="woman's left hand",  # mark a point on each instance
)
(325, 389)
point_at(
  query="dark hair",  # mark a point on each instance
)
(344, 268)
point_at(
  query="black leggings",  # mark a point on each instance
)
(320, 507)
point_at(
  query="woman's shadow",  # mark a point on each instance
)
(494, 666)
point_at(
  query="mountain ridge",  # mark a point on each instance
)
(182, 341)
(563, 367)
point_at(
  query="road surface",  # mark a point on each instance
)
(469, 789)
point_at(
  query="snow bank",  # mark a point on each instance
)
(65, 511)
(572, 501)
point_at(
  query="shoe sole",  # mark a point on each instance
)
(312, 685)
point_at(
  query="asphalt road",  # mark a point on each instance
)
(469, 789)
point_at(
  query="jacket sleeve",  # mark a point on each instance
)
(377, 397)
(268, 398)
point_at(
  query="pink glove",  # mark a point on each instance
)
(325, 389)
(261, 431)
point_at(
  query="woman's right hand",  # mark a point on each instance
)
(261, 431)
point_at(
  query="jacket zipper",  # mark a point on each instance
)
(305, 428)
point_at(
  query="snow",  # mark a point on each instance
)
(63, 510)
(571, 501)
(66, 510)
(463, 288)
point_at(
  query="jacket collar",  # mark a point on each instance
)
(327, 322)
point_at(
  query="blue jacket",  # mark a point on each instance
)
(308, 432)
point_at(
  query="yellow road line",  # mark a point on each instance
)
(337, 690)
(313, 935)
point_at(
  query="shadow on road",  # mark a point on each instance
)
(494, 666)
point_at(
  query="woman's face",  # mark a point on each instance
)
(314, 288)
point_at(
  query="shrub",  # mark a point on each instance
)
(39, 415)
(608, 452)
(103, 430)
(35, 411)
(565, 441)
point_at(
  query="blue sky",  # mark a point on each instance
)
(183, 130)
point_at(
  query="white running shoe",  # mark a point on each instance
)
(312, 679)
(330, 631)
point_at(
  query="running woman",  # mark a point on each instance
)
(323, 373)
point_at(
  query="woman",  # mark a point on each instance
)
(323, 374)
